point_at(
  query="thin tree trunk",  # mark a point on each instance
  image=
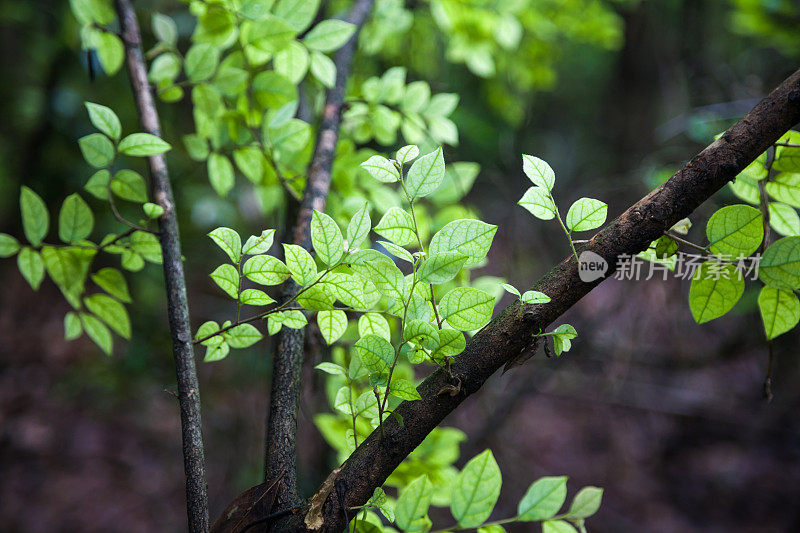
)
(177, 305)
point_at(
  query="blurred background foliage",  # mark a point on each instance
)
(615, 95)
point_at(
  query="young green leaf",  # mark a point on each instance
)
(129, 185)
(784, 219)
(113, 282)
(329, 35)
(359, 227)
(35, 219)
(227, 277)
(406, 154)
(404, 389)
(586, 214)
(470, 237)
(292, 62)
(259, 244)
(332, 368)
(326, 238)
(374, 324)
(386, 277)
(201, 61)
(714, 291)
(451, 343)
(538, 171)
(397, 251)
(735, 230)
(220, 173)
(397, 225)
(537, 201)
(442, 267)
(97, 184)
(217, 352)
(110, 50)
(422, 333)
(164, 28)
(511, 289)
(152, 211)
(413, 502)
(97, 331)
(242, 336)
(72, 326)
(586, 503)
(104, 119)
(250, 161)
(111, 312)
(75, 220)
(375, 352)
(323, 68)
(780, 265)
(142, 145)
(300, 264)
(97, 149)
(785, 187)
(31, 266)
(558, 526)
(8, 245)
(534, 297)
(229, 241)
(381, 169)
(255, 297)
(425, 175)
(265, 270)
(780, 311)
(466, 308)
(332, 324)
(476, 490)
(543, 499)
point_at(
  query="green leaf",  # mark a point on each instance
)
(259, 244)
(68, 268)
(785, 188)
(164, 69)
(292, 62)
(220, 173)
(217, 352)
(416, 97)
(381, 169)
(374, 324)
(201, 61)
(97, 185)
(97, 331)
(104, 119)
(397, 225)
(586, 214)
(142, 145)
(388, 279)
(543, 499)
(406, 154)
(147, 245)
(75, 221)
(250, 161)
(476, 490)
(152, 211)
(97, 149)
(715, 289)
(31, 266)
(413, 502)
(466, 308)
(422, 333)
(298, 13)
(265, 270)
(323, 68)
(359, 227)
(329, 35)
(470, 237)
(404, 389)
(442, 267)
(397, 251)
(243, 336)
(35, 219)
(255, 297)
(8, 245)
(300, 264)
(290, 137)
(113, 282)
(375, 352)
(538, 171)
(586, 503)
(780, 264)
(534, 297)
(425, 175)
(538, 202)
(557, 526)
(784, 219)
(332, 368)
(129, 185)
(332, 324)
(111, 312)
(294, 319)
(164, 28)
(511, 289)
(492, 528)
(227, 277)
(229, 241)
(72, 326)
(735, 230)
(326, 238)
(451, 343)
(110, 51)
(780, 311)
(746, 189)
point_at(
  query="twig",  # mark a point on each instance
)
(281, 428)
(177, 305)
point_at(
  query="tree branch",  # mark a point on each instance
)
(281, 429)
(510, 333)
(177, 305)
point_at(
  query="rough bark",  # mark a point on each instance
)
(511, 332)
(177, 304)
(281, 429)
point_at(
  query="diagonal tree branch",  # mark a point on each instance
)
(177, 305)
(281, 429)
(510, 333)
